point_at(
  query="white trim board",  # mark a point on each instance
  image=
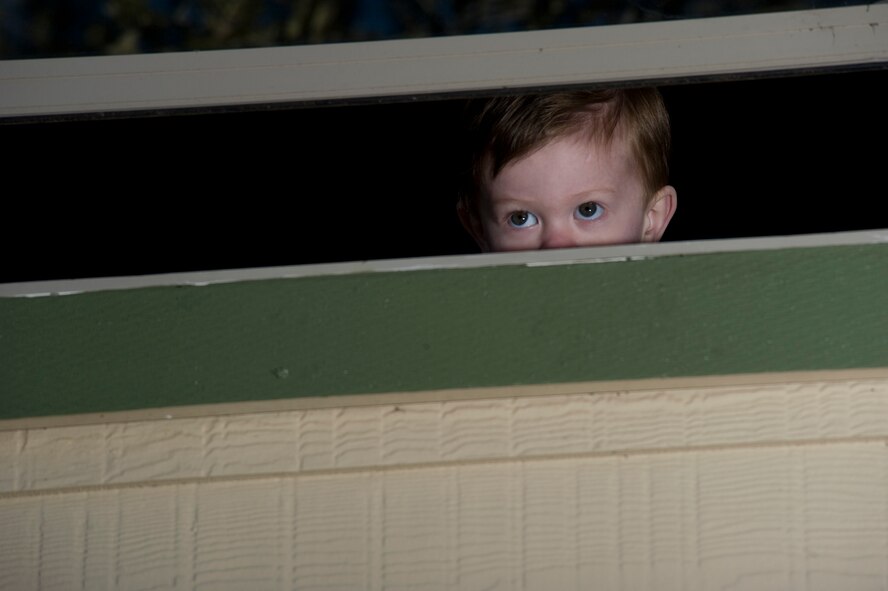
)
(646, 52)
(600, 254)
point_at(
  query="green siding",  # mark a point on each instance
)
(764, 311)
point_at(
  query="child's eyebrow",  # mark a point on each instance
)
(517, 202)
(514, 201)
(597, 190)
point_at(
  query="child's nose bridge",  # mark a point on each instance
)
(558, 234)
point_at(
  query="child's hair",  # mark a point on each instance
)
(506, 128)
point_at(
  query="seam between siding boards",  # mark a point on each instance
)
(624, 453)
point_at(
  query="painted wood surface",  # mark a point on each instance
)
(475, 431)
(798, 309)
(779, 486)
(850, 36)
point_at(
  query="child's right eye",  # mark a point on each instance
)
(522, 219)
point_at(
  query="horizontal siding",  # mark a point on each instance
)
(381, 437)
(772, 518)
(778, 486)
(798, 309)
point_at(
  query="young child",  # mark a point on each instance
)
(574, 168)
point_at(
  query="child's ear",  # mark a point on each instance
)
(659, 213)
(472, 224)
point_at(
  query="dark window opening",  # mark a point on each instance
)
(790, 155)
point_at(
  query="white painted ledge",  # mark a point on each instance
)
(590, 255)
(649, 52)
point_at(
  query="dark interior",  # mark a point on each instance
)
(103, 196)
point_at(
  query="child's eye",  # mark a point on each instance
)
(522, 219)
(589, 211)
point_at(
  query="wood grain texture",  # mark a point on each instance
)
(779, 486)
(796, 517)
(361, 438)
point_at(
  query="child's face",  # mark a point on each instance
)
(572, 192)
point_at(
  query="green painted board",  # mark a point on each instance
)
(673, 316)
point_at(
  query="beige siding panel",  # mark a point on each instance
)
(780, 486)
(361, 438)
(773, 517)
(21, 544)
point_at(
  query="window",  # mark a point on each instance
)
(244, 180)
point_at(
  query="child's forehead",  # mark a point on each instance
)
(565, 169)
(582, 143)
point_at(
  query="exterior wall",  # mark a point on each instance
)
(774, 486)
(640, 418)
(628, 316)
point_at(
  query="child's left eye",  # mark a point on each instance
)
(589, 211)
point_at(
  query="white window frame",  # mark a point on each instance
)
(817, 39)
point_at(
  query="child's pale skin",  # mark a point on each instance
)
(572, 192)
